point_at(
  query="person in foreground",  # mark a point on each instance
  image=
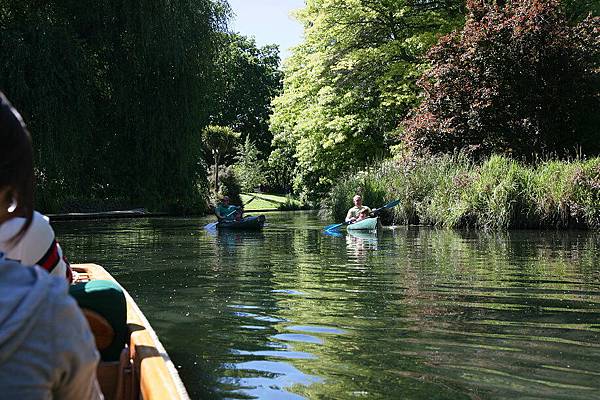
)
(228, 212)
(46, 348)
(358, 212)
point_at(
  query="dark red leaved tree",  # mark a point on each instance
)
(518, 79)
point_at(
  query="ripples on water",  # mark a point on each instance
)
(412, 313)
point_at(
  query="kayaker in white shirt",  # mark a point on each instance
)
(358, 212)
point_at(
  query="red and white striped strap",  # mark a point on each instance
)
(51, 259)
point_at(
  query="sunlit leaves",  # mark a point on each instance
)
(351, 81)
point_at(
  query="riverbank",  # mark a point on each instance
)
(135, 213)
(270, 202)
(498, 193)
(254, 202)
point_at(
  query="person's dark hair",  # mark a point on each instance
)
(16, 167)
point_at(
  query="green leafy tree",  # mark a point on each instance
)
(249, 167)
(220, 144)
(46, 71)
(578, 10)
(350, 82)
(281, 169)
(228, 185)
(247, 79)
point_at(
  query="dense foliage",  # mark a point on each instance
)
(497, 193)
(118, 94)
(350, 82)
(229, 185)
(577, 10)
(247, 78)
(249, 167)
(518, 79)
(115, 94)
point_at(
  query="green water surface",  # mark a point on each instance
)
(411, 313)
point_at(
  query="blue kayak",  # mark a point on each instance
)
(248, 223)
(368, 224)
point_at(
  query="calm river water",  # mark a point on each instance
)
(413, 313)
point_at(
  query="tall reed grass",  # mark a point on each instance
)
(499, 193)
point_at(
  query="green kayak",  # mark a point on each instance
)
(248, 223)
(368, 224)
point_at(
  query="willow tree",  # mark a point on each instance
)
(350, 82)
(165, 56)
(114, 92)
(50, 77)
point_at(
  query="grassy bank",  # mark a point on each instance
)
(499, 193)
(264, 201)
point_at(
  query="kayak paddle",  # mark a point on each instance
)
(374, 212)
(335, 226)
(237, 208)
(211, 226)
(391, 204)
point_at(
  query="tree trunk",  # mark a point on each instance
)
(216, 174)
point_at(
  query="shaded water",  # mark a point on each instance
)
(413, 313)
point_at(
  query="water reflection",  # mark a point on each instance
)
(412, 313)
(266, 379)
(231, 239)
(359, 242)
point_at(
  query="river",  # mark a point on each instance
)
(411, 313)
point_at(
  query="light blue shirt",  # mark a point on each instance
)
(46, 348)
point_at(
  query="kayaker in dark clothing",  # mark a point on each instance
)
(358, 212)
(228, 212)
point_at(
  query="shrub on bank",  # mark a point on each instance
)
(292, 204)
(498, 193)
(370, 184)
(229, 185)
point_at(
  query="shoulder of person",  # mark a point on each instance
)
(39, 223)
(36, 240)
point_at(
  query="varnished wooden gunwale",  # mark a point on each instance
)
(154, 374)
